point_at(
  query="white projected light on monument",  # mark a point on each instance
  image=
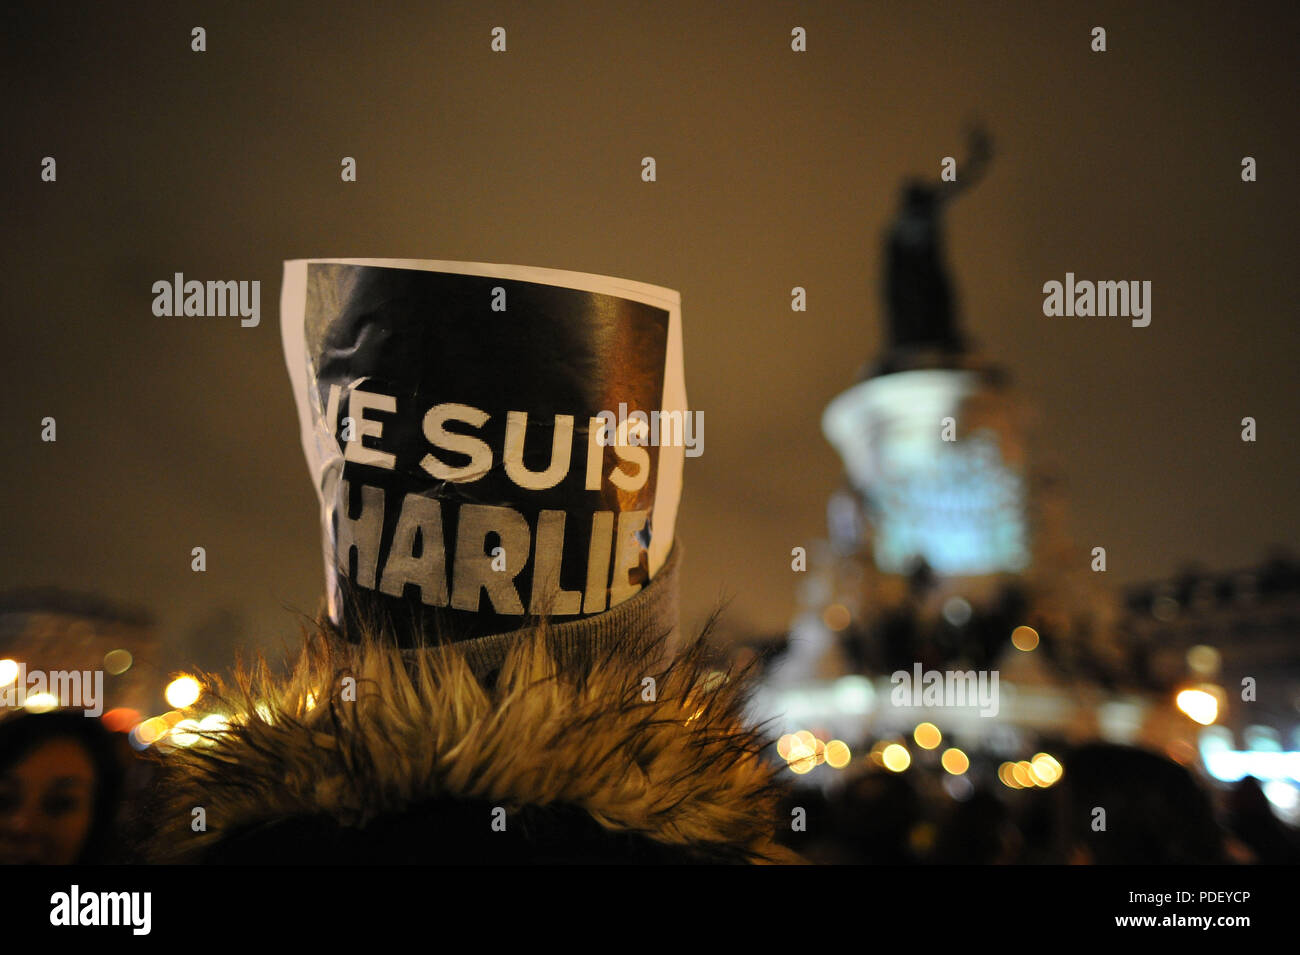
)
(961, 512)
(956, 504)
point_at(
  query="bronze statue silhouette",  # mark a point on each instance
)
(919, 299)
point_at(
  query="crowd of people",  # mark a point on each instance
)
(1156, 812)
(72, 792)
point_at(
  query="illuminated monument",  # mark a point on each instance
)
(929, 438)
(937, 547)
(933, 522)
(947, 555)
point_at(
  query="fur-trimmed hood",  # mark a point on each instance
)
(367, 753)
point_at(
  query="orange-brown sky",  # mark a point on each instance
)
(775, 169)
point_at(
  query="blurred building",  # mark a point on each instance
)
(1228, 639)
(54, 630)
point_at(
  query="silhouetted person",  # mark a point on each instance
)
(1250, 818)
(1155, 813)
(978, 831)
(874, 816)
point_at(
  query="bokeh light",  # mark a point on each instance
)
(1024, 638)
(837, 754)
(121, 719)
(41, 702)
(959, 788)
(117, 662)
(1204, 661)
(896, 757)
(927, 736)
(957, 611)
(214, 723)
(1198, 705)
(151, 730)
(182, 692)
(876, 755)
(955, 761)
(185, 733)
(1023, 774)
(1045, 769)
(836, 617)
(784, 745)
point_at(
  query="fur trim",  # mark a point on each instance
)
(362, 731)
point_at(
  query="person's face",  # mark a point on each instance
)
(46, 805)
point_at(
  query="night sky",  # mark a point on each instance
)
(775, 169)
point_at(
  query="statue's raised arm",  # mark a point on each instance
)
(919, 299)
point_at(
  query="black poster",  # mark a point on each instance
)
(483, 444)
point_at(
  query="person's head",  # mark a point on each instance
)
(875, 813)
(977, 831)
(1246, 802)
(1124, 806)
(59, 788)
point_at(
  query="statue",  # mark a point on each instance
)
(919, 299)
